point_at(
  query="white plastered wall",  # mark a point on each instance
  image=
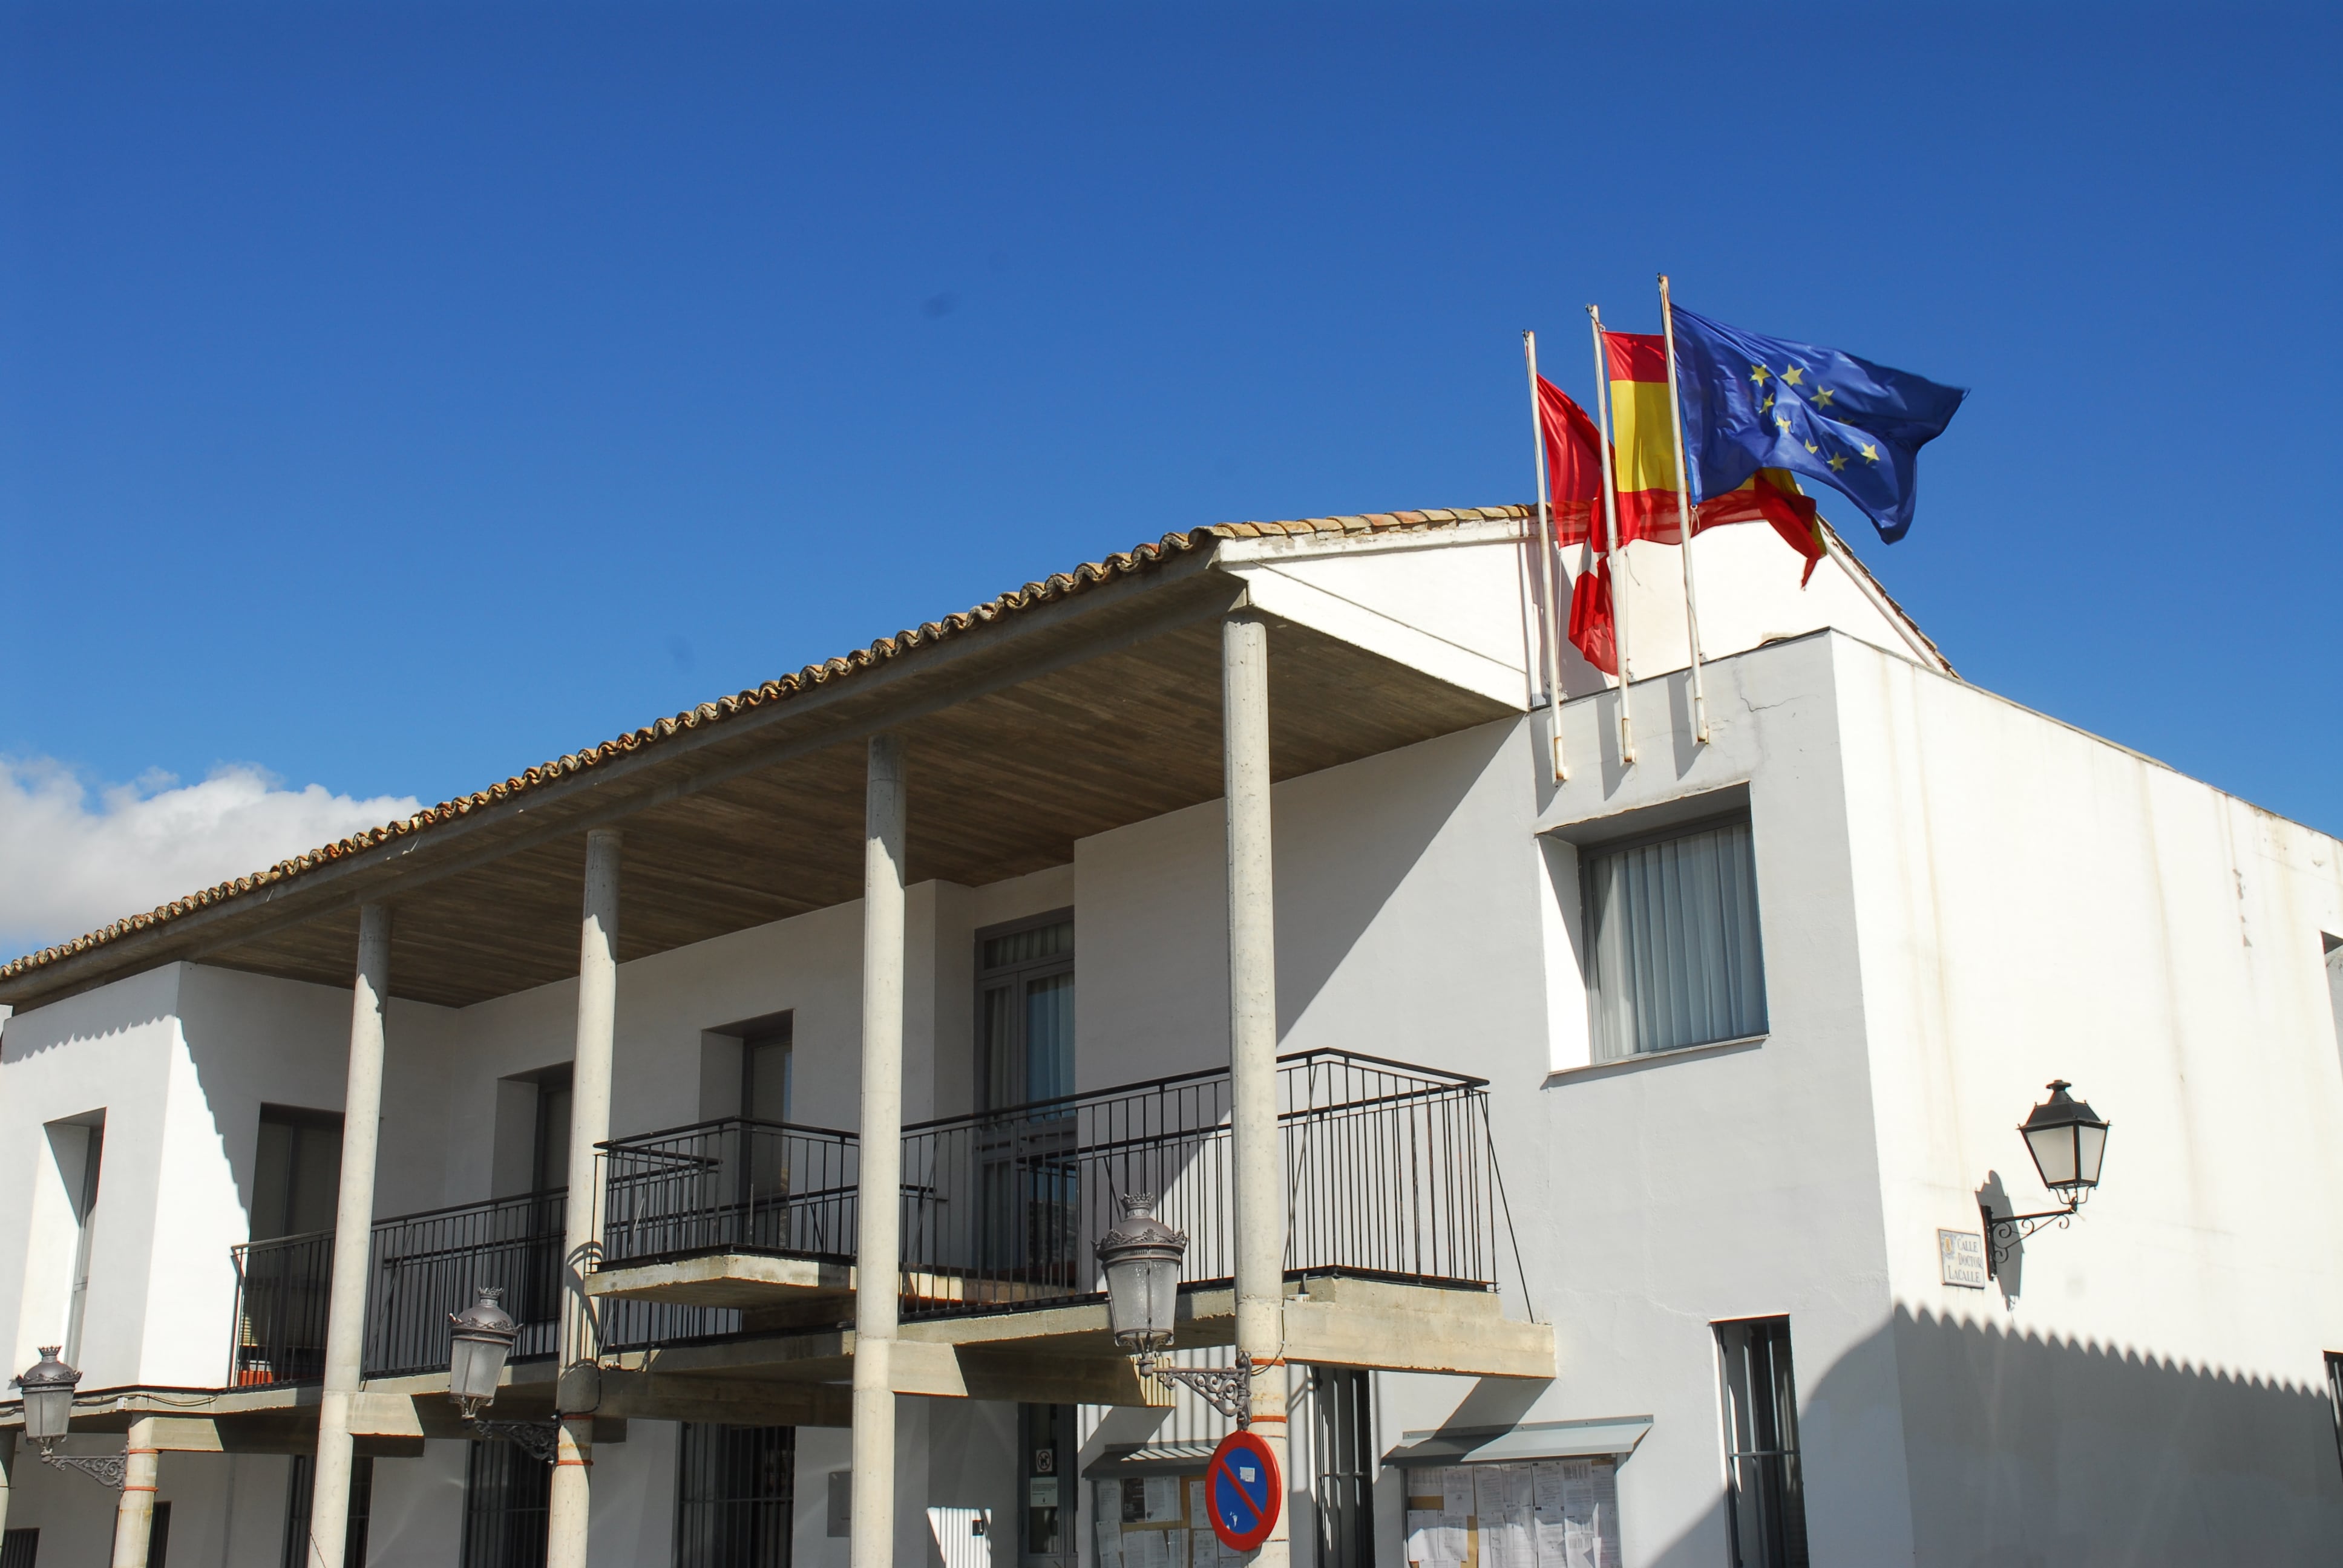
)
(2037, 903)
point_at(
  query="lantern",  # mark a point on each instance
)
(2067, 1141)
(1141, 1258)
(48, 1385)
(484, 1334)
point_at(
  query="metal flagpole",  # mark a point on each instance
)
(1546, 547)
(1611, 534)
(1684, 517)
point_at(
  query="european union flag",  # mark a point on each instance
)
(1751, 403)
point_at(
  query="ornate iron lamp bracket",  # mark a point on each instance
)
(2002, 1232)
(1228, 1390)
(540, 1439)
(105, 1468)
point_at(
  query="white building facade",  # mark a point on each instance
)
(1632, 1130)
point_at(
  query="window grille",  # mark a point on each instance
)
(19, 1548)
(1344, 1450)
(300, 1494)
(508, 1502)
(736, 1489)
(1765, 1492)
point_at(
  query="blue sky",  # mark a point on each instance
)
(395, 397)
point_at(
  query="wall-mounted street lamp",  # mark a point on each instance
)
(2068, 1140)
(48, 1384)
(1141, 1258)
(482, 1343)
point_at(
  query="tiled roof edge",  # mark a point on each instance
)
(1128, 563)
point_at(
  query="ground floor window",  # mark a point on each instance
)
(1765, 1490)
(18, 1548)
(2334, 1394)
(508, 1500)
(300, 1495)
(1342, 1450)
(735, 1493)
(158, 1538)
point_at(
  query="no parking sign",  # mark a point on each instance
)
(1242, 1488)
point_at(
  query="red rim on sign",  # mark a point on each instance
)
(1242, 1488)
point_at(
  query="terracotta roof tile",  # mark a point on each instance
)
(1128, 563)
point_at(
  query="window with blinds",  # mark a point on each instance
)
(1674, 959)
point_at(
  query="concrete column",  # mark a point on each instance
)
(329, 1505)
(133, 1516)
(872, 1530)
(7, 1470)
(581, 1245)
(1252, 1040)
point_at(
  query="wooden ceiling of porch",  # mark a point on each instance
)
(1004, 776)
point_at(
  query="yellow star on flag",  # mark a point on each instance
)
(1784, 421)
(1767, 404)
(1838, 461)
(1758, 373)
(1790, 377)
(1823, 395)
(1812, 448)
(1870, 452)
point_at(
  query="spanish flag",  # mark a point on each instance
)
(1644, 461)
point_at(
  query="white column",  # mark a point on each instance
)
(329, 1503)
(581, 1241)
(7, 1470)
(133, 1516)
(1253, 1040)
(872, 1530)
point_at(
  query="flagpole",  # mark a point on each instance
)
(1683, 519)
(1546, 549)
(1611, 538)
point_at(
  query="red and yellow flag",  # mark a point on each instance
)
(1644, 461)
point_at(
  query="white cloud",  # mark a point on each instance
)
(72, 858)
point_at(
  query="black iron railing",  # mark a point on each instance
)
(423, 1267)
(1387, 1171)
(281, 1289)
(733, 1185)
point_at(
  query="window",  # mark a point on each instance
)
(1343, 1446)
(19, 1548)
(1765, 1507)
(158, 1537)
(736, 1489)
(765, 1097)
(1028, 1200)
(78, 1147)
(508, 1498)
(1672, 931)
(2334, 1395)
(297, 1177)
(1025, 1013)
(300, 1494)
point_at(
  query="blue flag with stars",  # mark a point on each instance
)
(1751, 403)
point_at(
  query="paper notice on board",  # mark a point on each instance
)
(1545, 1487)
(1163, 1499)
(1144, 1549)
(1176, 1548)
(1456, 1490)
(1505, 1540)
(1420, 1523)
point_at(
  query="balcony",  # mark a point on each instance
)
(732, 1231)
(1394, 1209)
